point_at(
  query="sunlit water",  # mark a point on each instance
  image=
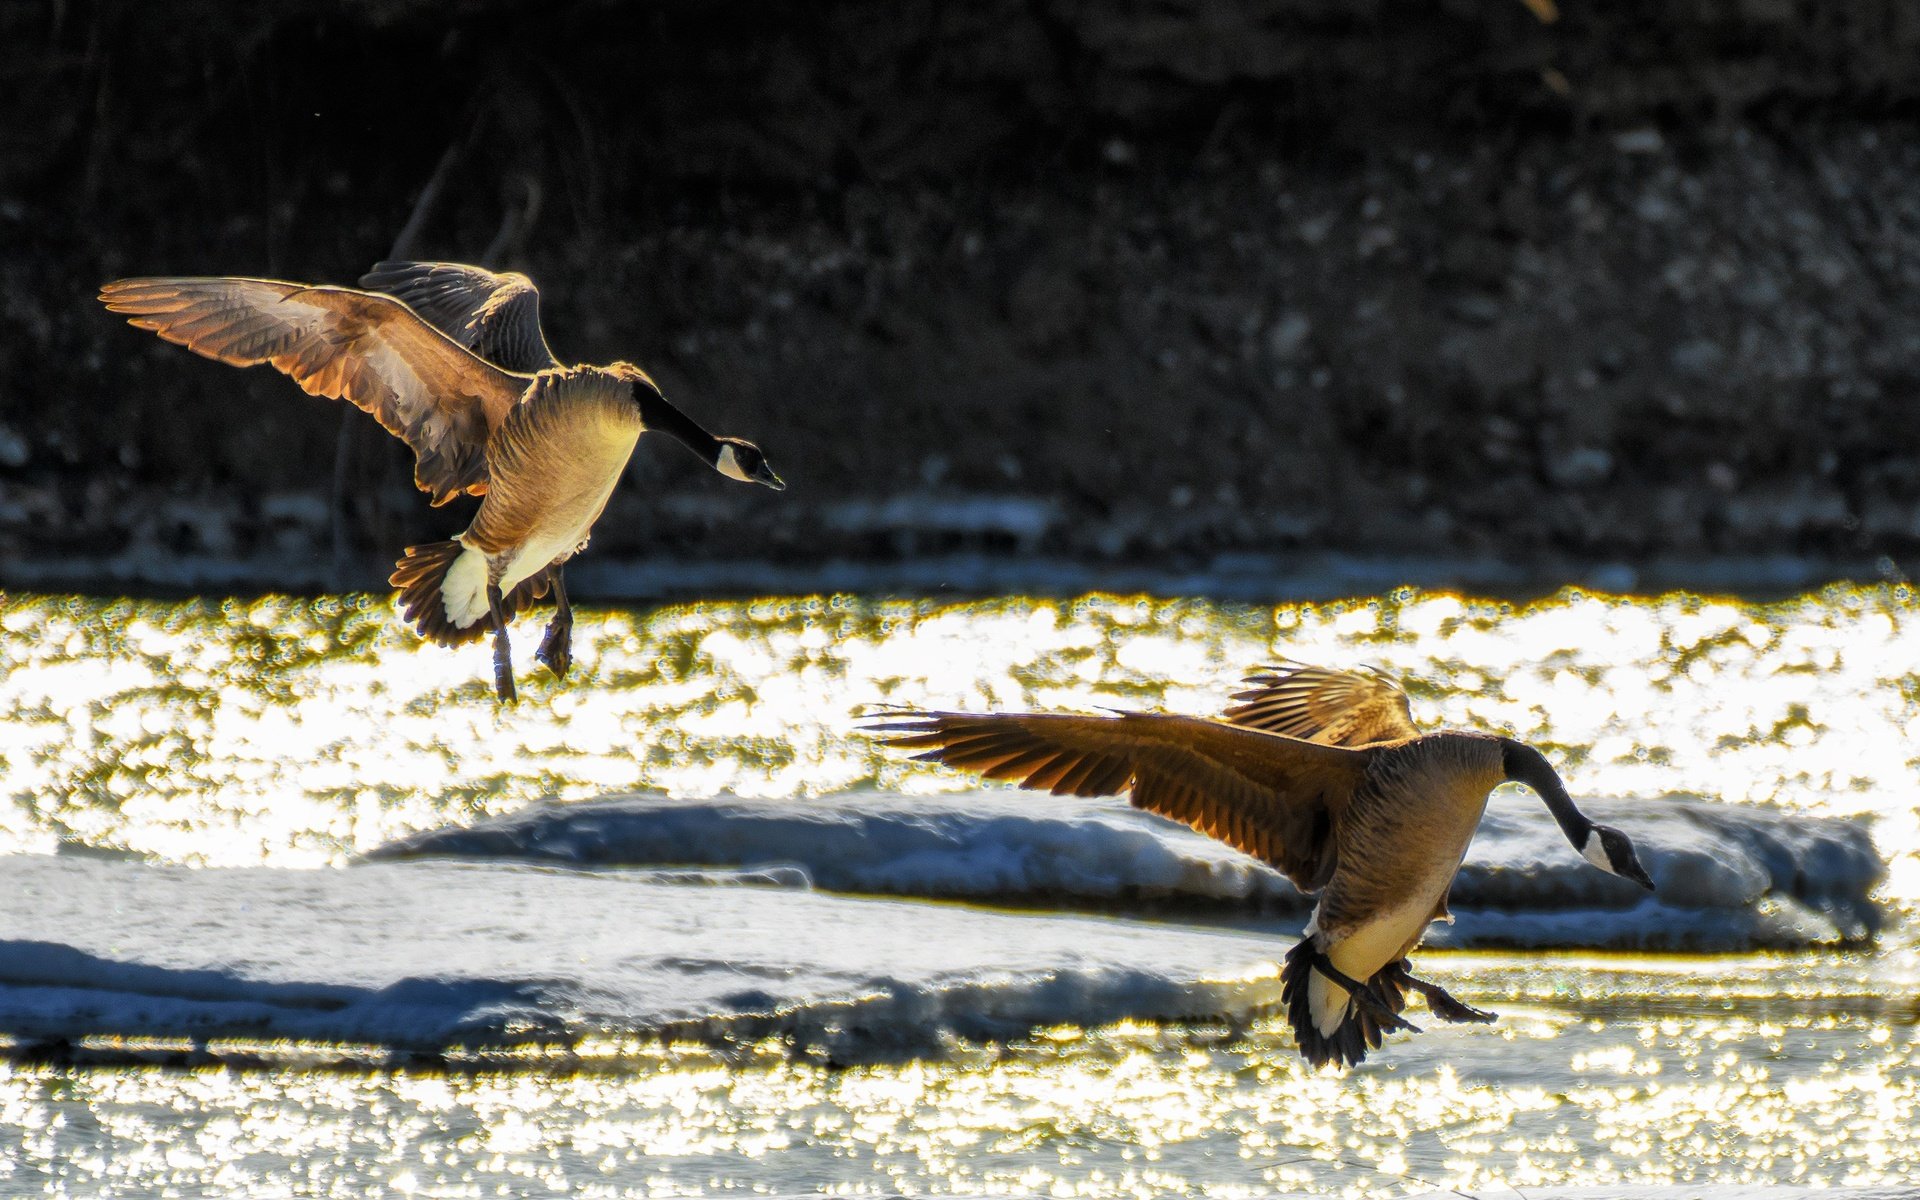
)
(300, 732)
(1687, 1090)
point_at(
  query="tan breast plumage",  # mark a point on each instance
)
(552, 466)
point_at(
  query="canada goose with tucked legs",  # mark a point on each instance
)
(542, 444)
(1377, 828)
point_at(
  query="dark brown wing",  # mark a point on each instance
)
(1333, 708)
(1272, 797)
(344, 344)
(495, 316)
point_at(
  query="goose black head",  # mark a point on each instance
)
(740, 459)
(1602, 845)
(1612, 851)
(736, 458)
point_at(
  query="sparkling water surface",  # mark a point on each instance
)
(1690, 1091)
(298, 732)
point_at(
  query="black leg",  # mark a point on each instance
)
(556, 648)
(1441, 1002)
(502, 653)
(1364, 996)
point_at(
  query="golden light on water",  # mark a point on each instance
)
(1799, 1097)
(298, 732)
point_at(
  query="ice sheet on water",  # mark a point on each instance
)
(1000, 846)
(711, 928)
(431, 954)
(1728, 877)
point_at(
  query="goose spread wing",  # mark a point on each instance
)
(1272, 797)
(495, 316)
(1334, 708)
(346, 345)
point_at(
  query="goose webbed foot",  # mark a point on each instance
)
(556, 647)
(1447, 1008)
(502, 652)
(1365, 996)
(1441, 1002)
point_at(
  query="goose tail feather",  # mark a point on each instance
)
(1358, 1032)
(443, 592)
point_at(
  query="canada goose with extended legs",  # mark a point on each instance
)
(468, 383)
(1321, 774)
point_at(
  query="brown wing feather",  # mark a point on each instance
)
(344, 344)
(497, 316)
(1272, 797)
(1333, 708)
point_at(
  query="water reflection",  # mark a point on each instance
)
(297, 731)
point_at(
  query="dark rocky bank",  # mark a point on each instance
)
(1173, 286)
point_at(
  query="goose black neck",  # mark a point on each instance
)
(659, 415)
(1526, 765)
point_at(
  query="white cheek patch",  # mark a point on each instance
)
(1596, 854)
(728, 464)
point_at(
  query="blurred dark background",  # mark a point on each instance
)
(1624, 291)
